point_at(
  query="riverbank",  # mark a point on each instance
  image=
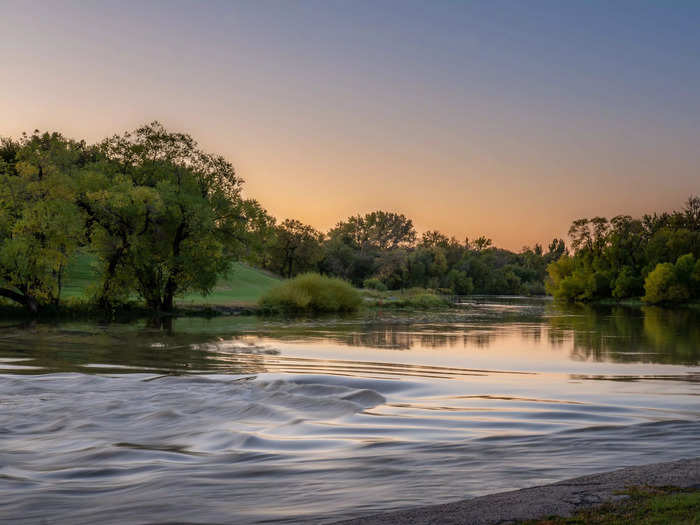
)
(563, 498)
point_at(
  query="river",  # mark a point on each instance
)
(254, 420)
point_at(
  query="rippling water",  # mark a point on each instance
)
(245, 420)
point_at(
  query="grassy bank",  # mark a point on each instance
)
(243, 286)
(644, 506)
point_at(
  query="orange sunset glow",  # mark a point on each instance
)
(495, 129)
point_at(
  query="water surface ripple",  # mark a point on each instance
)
(252, 421)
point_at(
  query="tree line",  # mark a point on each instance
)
(162, 218)
(656, 257)
(382, 250)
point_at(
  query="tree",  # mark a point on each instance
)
(434, 238)
(479, 244)
(166, 218)
(296, 248)
(673, 282)
(692, 213)
(661, 285)
(40, 224)
(378, 230)
(556, 249)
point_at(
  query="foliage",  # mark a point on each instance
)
(372, 283)
(162, 217)
(378, 230)
(673, 283)
(411, 298)
(360, 254)
(424, 300)
(294, 248)
(626, 258)
(312, 292)
(166, 218)
(40, 224)
(627, 284)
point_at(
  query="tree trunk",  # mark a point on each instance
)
(105, 301)
(29, 302)
(171, 284)
(168, 298)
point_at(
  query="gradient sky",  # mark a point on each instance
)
(507, 119)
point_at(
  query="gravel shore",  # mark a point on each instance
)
(562, 498)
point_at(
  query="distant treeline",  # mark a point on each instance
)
(656, 257)
(163, 218)
(381, 250)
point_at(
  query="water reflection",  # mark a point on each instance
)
(252, 420)
(612, 334)
(623, 334)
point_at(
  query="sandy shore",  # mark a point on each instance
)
(561, 498)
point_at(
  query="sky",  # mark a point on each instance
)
(496, 118)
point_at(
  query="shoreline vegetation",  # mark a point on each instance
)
(146, 223)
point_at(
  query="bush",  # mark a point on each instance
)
(557, 272)
(374, 284)
(312, 292)
(674, 283)
(425, 300)
(460, 283)
(419, 298)
(661, 285)
(628, 284)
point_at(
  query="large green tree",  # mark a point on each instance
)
(40, 224)
(165, 217)
(378, 230)
(295, 248)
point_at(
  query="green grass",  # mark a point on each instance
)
(411, 298)
(311, 292)
(79, 276)
(243, 285)
(645, 506)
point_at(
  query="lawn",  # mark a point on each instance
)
(243, 286)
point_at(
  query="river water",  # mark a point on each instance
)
(250, 420)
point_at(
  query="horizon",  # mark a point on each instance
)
(506, 121)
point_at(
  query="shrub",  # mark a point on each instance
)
(661, 285)
(673, 283)
(420, 298)
(628, 284)
(311, 292)
(425, 300)
(684, 269)
(460, 283)
(557, 272)
(374, 284)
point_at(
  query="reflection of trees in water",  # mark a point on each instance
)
(610, 333)
(480, 337)
(394, 336)
(628, 334)
(403, 338)
(124, 348)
